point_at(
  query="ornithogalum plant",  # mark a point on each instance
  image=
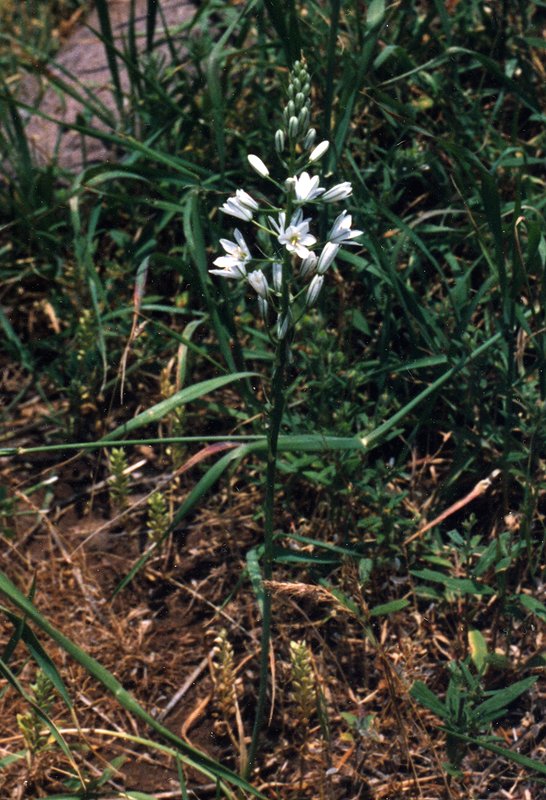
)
(287, 272)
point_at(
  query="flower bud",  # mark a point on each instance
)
(279, 141)
(319, 151)
(299, 100)
(328, 254)
(277, 276)
(293, 128)
(310, 137)
(303, 119)
(258, 165)
(308, 265)
(314, 290)
(263, 307)
(258, 281)
(291, 108)
(296, 83)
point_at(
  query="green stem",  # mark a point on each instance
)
(275, 420)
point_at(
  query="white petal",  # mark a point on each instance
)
(233, 271)
(338, 192)
(235, 209)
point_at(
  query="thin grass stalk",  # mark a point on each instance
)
(151, 19)
(108, 39)
(330, 68)
(132, 48)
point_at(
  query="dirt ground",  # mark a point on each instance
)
(157, 637)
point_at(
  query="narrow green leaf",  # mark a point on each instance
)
(533, 605)
(422, 694)
(496, 705)
(109, 46)
(459, 585)
(160, 410)
(38, 653)
(478, 649)
(200, 489)
(389, 608)
(510, 755)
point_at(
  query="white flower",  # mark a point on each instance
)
(341, 232)
(338, 192)
(258, 281)
(314, 290)
(241, 206)
(306, 187)
(258, 165)
(232, 265)
(307, 266)
(319, 151)
(328, 254)
(296, 237)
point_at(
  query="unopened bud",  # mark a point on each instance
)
(328, 254)
(293, 128)
(258, 281)
(319, 151)
(314, 290)
(310, 137)
(258, 165)
(279, 141)
(303, 119)
(263, 308)
(308, 265)
(277, 276)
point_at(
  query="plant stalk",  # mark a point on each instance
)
(275, 420)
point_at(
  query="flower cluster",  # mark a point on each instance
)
(297, 260)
